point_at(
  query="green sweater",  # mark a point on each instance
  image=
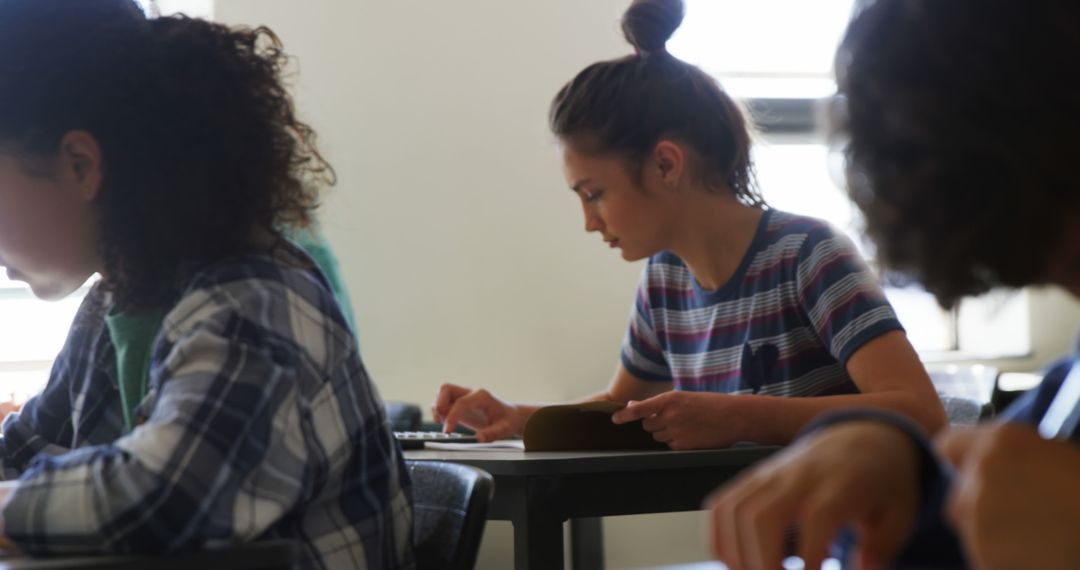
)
(133, 337)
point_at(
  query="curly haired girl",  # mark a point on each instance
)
(210, 391)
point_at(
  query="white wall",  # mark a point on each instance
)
(1054, 318)
(463, 250)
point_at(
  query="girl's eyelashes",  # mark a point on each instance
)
(593, 195)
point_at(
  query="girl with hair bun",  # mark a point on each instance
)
(210, 391)
(738, 304)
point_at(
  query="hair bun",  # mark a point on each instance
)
(648, 24)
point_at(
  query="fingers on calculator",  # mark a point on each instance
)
(416, 439)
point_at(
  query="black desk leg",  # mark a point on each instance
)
(538, 541)
(587, 543)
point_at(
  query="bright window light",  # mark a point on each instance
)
(32, 334)
(193, 8)
(764, 48)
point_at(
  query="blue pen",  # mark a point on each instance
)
(1063, 415)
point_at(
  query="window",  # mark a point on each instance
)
(777, 57)
(764, 48)
(32, 335)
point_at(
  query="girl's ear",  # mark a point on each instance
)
(80, 161)
(670, 162)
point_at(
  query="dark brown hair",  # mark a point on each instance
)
(625, 106)
(963, 123)
(201, 147)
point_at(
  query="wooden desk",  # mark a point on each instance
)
(538, 491)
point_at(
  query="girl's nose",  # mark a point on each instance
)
(593, 223)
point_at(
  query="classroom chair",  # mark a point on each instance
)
(403, 416)
(450, 504)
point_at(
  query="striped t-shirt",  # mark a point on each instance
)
(800, 304)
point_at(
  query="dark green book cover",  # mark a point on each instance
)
(588, 426)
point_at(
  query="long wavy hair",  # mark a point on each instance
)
(202, 149)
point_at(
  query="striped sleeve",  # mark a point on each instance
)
(842, 298)
(642, 354)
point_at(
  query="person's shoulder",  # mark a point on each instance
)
(285, 263)
(817, 240)
(668, 268)
(783, 225)
(264, 287)
(666, 258)
(94, 305)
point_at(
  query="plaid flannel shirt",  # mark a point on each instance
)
(260, 422)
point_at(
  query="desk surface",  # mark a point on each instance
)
(515, 462)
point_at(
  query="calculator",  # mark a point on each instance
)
(416, 439)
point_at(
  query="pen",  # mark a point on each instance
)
(1063, 415)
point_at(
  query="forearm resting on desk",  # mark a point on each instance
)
(702, 420)
(494, 418)
(491, 417)
(623, 388)
(776, 420)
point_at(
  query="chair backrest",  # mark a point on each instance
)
(403, 416)
(450, 504)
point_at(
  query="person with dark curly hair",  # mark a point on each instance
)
(210, 391)
(962, 120)
(743, 312)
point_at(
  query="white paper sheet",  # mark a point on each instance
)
(498, 445)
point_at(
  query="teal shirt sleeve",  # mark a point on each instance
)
(314, 244)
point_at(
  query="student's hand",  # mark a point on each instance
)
(7, 408)
(1016, 498)
(687, 420)
(478, 409)
(861, 473)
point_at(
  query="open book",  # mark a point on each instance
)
(569, 427)
(574, 427)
